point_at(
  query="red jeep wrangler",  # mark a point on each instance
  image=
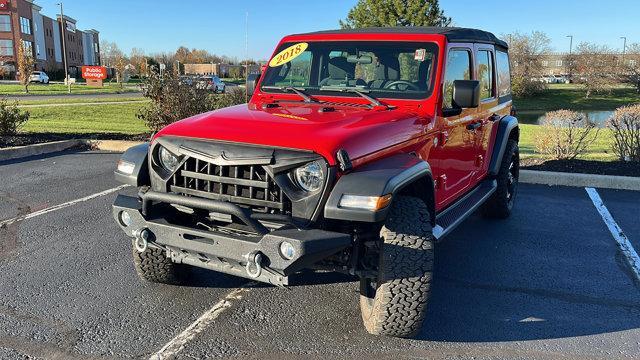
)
(358, 151)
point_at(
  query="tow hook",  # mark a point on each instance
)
(254, 260)
(142, 239)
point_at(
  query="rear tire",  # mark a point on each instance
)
(153, 265)
(500, 204)
(395, 303)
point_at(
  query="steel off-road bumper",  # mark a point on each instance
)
(255, 257)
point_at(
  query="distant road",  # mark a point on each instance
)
(74, 96)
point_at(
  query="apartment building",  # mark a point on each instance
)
(21, 21)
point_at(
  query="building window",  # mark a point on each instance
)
(25, 25)
(37, 49)
(545, 63)
(6, 47)
(5, 22)
(95, 48)
(632, 63)
(28, 47)
(559, 63)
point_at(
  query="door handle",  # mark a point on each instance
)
(474, 126)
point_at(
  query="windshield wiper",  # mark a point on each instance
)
(355, 90)
(299, 92)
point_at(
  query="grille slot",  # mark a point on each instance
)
(245, 185)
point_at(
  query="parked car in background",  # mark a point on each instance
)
(39, 76)
(212, 83)
(561, 79)
(186, 80)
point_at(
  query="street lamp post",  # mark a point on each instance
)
(64, 49)
(570, 57)
(624, 48)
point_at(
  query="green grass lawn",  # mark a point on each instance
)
(65, 101)
(61, 89)
(107, 118)
(121, 119)
(600, 150)
(572, 97)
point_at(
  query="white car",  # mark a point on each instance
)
(561, 79)
(39, 76)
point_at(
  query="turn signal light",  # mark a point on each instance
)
(371, 203)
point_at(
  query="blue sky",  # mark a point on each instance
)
(219, 26)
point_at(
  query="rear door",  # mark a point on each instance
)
(495, 80)
(487, 116)
(457, 149)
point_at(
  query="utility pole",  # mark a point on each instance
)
(570, 59)
(624, 48)
(64, 48)
(246, 58)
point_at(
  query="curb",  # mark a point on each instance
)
(37, 149)
(20, 152)
(580, 180)
(111, 145)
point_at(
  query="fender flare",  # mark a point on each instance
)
(136, 155)
(506, 126)
(387, 176)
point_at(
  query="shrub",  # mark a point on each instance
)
(171, 100)
(11, 118)
(625, 126)
(233, 96)
(522, 87)
(566, 134)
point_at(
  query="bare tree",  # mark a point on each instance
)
(526, 51)
(138, 60)
(596, 68)
(630, 72)
(25, 65)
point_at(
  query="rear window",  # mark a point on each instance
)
(504, 74)
(36, 73)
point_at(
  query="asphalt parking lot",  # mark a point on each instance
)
(549, 283)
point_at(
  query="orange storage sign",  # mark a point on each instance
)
(94, 72)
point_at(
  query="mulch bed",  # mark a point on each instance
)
(35, 138)
(615, 168)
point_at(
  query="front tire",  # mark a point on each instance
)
(395, 303)
(500, 204)
(153, 265)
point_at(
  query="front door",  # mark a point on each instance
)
(455, 155)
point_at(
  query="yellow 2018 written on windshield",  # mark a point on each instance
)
(288, 54)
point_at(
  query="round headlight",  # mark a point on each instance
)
(310, 176)
(167, 159)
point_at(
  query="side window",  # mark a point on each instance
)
(458, 68)
(485, 74)
(504, 74)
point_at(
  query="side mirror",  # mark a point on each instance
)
(466, 94)
(252, 82)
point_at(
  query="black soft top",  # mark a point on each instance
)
(453, 34)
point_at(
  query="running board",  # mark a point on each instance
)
(463, 208)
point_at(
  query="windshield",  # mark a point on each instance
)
(401, 70)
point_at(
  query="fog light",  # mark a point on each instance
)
(125, 218)
(287, 251)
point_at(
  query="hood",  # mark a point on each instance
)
(358, 130)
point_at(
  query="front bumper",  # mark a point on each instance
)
(224, 251)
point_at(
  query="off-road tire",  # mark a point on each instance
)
(153, 265)
(500, 204)
(404, 272)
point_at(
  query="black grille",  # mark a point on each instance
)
(244, 185)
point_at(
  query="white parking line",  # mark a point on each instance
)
(173, 347)
(621, 239)
(59, 206)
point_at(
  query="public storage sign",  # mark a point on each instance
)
(94, 72)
